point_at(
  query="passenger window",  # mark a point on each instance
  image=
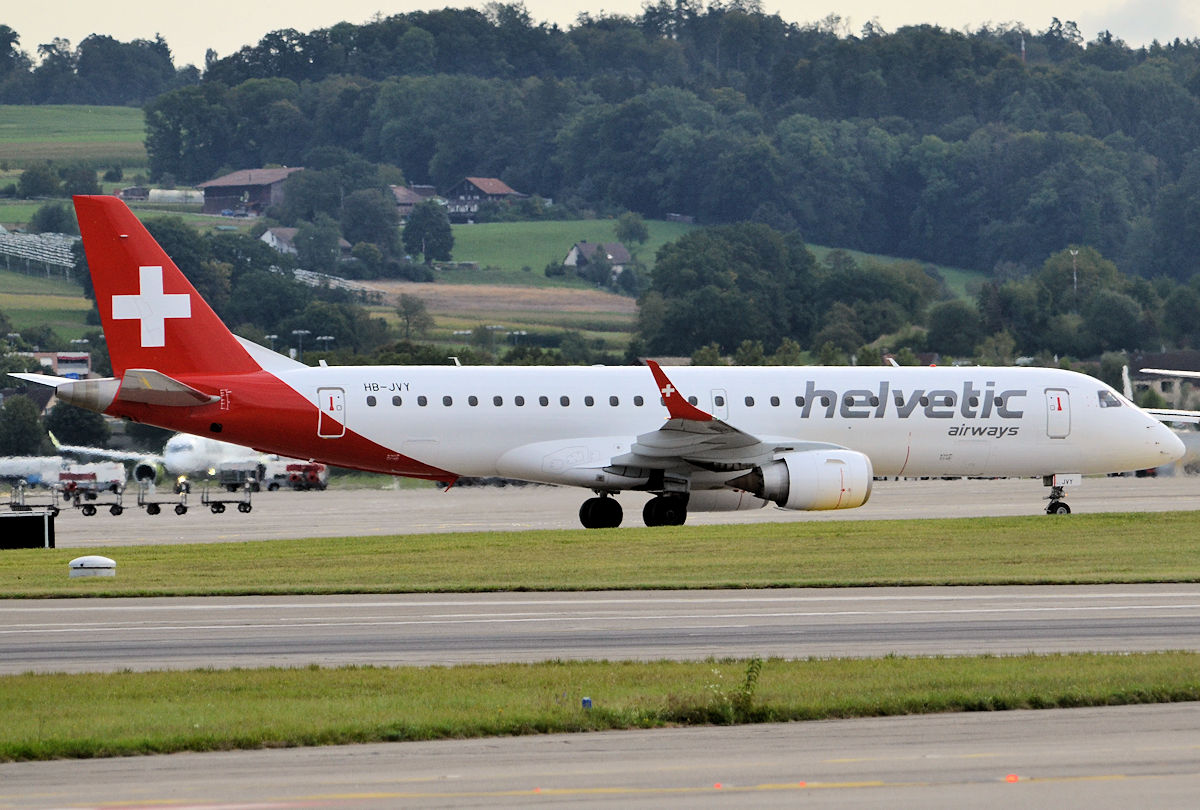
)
(719, 401)
(472, 400)
(564, 401)
(589, 401)
(497, 401)
(396, 401)
(638, 401)
(775, 402)
(371, 402)
(543, 401)
(749, 402)
(422, 400)
(693, 400)
(826, 402)
(614, 401)
(799, 402)
(519, 401)
(447, 401)
(1109, 400)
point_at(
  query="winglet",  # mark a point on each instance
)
(677, 404)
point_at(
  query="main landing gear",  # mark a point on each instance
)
(665, 510)
(602, 512)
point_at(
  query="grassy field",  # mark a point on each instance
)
(1028, 550)
(100, 136)
(511, 246)
(161, 712)
(36, 300)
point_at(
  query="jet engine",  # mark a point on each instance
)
(723, 500)
(812, 479)
(145, 469)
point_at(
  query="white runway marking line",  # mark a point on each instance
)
(199, 602)
(525, 618)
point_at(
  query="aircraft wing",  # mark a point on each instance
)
(102, 452)
(693, 436)
(1165, 414)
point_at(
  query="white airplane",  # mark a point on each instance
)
(185, 455)
(710, 438)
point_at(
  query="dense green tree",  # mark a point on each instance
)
(78, 426)
(370, 215)
(954, 328)
(39, 180)
(54, 218)
(79, 179)
(21, 432)
(318, 245)
(427, 232)
(630, 228)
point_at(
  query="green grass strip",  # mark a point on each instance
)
(1082, 549)
(158, 712)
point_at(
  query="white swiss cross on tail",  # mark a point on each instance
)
(152, 307)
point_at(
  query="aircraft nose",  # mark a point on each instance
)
(1170, 445)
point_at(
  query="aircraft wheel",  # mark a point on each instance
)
(244, 507)
(88, 510)
(152, 509)
(665, 510)
(1058, 508)
(115, 509)
(600, 513)
(180, 509)
(217, 508)
(272, 487)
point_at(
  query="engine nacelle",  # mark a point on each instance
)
(812, 480)
(723, 500)
(145, 469)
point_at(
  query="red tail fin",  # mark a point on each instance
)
(153, 318)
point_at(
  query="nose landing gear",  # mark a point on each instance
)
(1058, 485)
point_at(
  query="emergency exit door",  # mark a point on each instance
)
(1058, 413)
(331, 402)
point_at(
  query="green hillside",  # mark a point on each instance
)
(101, 136)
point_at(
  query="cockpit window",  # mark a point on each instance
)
(1108, 399)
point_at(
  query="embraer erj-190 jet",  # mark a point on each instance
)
(704, 439)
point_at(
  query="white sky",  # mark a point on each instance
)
(226, 25)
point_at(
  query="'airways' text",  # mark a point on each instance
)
(980, 430)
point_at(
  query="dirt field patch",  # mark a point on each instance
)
(454, 299)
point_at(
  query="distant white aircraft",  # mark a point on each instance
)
(185, 455)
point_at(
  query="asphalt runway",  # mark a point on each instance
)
(358, 512)
(1103, 759)
(84, 635)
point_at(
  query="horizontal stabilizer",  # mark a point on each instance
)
(41, 379)
(154, 388)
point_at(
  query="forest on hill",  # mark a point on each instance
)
(1036, 156)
